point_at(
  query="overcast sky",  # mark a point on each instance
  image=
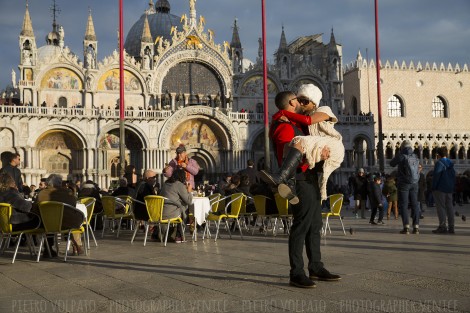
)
(419, 30)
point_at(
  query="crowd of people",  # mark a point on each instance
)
(308, 149)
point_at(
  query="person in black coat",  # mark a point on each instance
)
(146, 187)
(359, 183)
(375, 199)
(251, 172)
(10, 162)
(21, 217)
(124, 189)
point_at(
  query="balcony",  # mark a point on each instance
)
(48, 112)
(355, 119)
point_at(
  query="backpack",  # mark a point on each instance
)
(411, 169)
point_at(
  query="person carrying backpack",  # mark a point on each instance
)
(407, 186)
(443, 184)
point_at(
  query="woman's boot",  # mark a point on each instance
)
(286, 172)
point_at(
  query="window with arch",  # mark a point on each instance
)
(355, 109)
(395, 107)
(439, 107)
(259, 108)
(62, 102)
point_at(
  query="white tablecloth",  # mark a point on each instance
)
(82, 207)
(202, 207)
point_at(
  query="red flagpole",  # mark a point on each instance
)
(122, 144)
(267, 156)
(380, 147)
(121, 62)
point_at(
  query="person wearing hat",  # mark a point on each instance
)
(359, 183)
(307, 219)
(182, 160)
(324, 143)
(375, 199)
(407, 185)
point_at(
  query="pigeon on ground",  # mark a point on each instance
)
(457, 213)
(464, 218)
(351, 231)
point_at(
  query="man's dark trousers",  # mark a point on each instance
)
(306, 227)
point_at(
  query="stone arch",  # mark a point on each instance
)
(274, 85)
(362, 147)
(208, 166)
(61, 77)
(222, 125)
(60, 126)
(222, 69)
(108, 80)
(256, 145)
(108, 144)
(60, 152)
(132, 127)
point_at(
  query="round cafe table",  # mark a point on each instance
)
(202, 207)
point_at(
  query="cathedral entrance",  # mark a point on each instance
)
(109, 145)
(61, 152)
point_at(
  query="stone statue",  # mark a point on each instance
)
(192, 5)
(26, 57)
(13, 78)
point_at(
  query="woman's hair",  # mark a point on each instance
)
(179, 174)
(6, 182)
(54, 180)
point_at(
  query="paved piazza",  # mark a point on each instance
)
(382, 271)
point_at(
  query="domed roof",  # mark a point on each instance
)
(160, 22)
(48, 51)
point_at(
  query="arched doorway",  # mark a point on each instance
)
(62, 102)
(61, 152)
(109, 144)
(205, 141)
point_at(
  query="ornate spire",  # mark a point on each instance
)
(90, 28)
(146, 35)
(151, 8)
(235, 43)
(332, 46)
(332, 37)
(282, 42)
(27, 29)
(55, 11)
(192, 12)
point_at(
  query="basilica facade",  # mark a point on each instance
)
(182, 86)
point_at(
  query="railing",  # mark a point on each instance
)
(355, 119)
(6, 110)
(30, 111)
(245, 116)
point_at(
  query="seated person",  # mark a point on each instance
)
(21, 216)
(124, 189)
(89, 189)
(179, 193)
(72, 218)
(146, 187)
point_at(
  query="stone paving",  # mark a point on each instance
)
(382, 270)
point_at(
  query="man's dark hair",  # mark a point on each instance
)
(442, 152)
(179, 174)
(13, 156)
(250, 163)
(282, 99)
